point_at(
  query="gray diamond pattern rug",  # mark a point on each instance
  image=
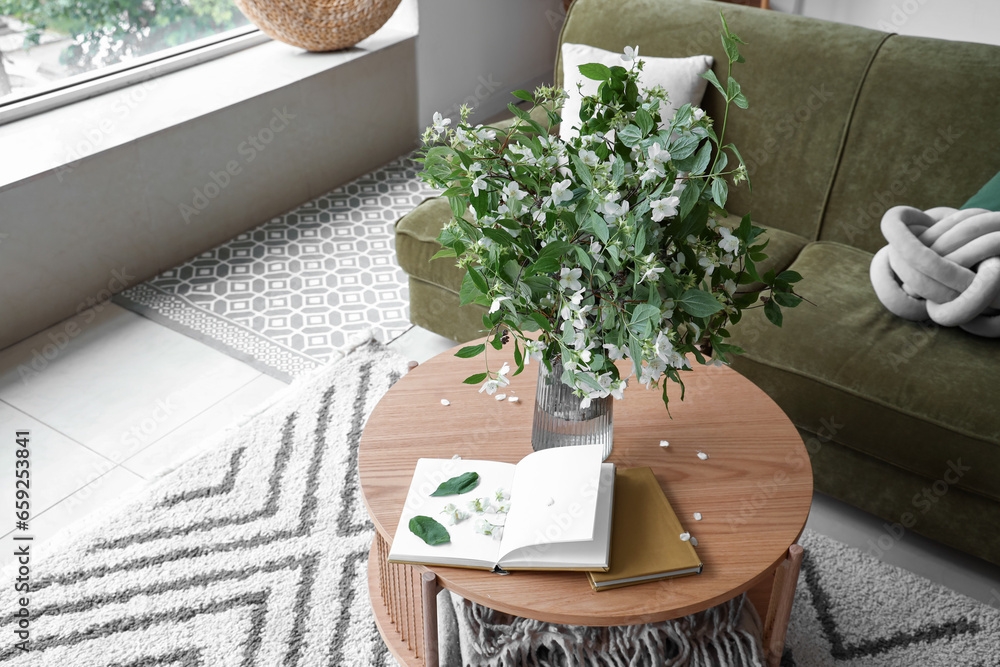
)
(286, 294)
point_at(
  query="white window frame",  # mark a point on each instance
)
(107, 79)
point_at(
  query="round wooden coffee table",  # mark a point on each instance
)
(754, 493)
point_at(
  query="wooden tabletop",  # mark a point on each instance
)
(754, 490)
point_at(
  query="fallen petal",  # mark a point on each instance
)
(697, 516)
(445, 401)
(685, 537)
(513, 399)
(664, 443)
(500, 397)
(703, 456)
(694, 541)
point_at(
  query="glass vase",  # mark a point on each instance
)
(560, 421)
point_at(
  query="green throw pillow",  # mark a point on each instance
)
(988, 196)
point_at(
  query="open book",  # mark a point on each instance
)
(558, 513)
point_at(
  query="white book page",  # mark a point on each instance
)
(467, 547)
(595, 552)
(553, 498)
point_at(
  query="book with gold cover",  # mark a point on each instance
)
(645, 535)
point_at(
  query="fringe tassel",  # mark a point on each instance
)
(715, 637)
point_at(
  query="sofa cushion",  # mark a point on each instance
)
(800, 97)
(924, 134)
(987, 197)
(416, 243)
(914, 395)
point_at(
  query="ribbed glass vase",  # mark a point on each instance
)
(560, 422)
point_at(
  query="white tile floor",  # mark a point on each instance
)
(112, 399)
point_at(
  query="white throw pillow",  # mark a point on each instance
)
(680, 77)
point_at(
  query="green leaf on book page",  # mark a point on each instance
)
(464, 482)
(429, 530)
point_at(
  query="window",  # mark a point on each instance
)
(46, 45)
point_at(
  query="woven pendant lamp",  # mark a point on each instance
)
(318, 25)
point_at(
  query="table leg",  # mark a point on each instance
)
(779, 609)
(429, 589)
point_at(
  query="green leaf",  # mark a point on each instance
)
(740, 100)
(524, 95)
(595, 71)
(429, 530)
(463, 483)
(477, 278)
(518, 358)
(714, 80)
(699, 303)
(773, 312)
(630, 135)
(720, 191)
(444, 252)
(702, 158)
(596, 225)
(645, 313)
(618, 172)
(644, 121)
(475, 379)
(499, 236)
(684, 147)
(470, 351)
(468, 292)
(541, 320)
(786, 299)
(582, 171)
(789, 276)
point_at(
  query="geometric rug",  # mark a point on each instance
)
(252, 555)
(853, 610)
(285, 295)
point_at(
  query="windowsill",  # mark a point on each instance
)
(51, 140)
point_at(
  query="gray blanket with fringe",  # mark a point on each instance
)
(472, 635)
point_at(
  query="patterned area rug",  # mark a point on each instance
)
(282, 297)
(255, 555)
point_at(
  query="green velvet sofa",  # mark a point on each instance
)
(900, 419)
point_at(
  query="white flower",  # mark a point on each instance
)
(729, 243)
(614, 352)
(484, 134)
(478, 184)
(495, 306)
(560, 192)
(678, 187)
(618, 388)
(514, 190)
(590, 158)
(631, 53)
(698, 114)
(613, 209)
(569, 279)
(501, 380)
(651, 372)
(709, 264)
(665, 208)
(440, 123)
(652, 271)
(677, 265)
(480, 505)
(658, 154)
(484, 527)
(729, 285)
(595, 250)
(452, 514)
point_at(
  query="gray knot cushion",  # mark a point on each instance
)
(942, 264)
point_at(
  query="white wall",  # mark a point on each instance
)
(965, 20)
(477, 51)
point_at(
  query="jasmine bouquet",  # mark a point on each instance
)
(613, 245)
